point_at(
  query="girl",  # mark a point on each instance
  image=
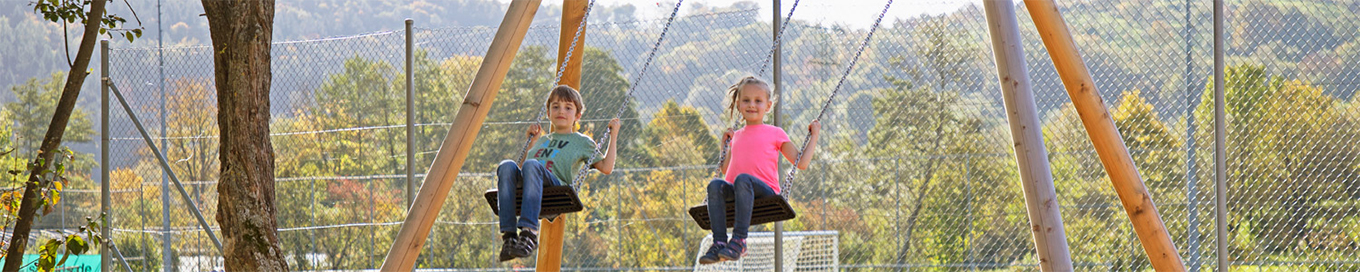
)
(551, 161)
(751, 167)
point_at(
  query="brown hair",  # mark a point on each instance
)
(735, 90)
(566, 93)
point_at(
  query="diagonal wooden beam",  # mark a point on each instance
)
(1114, 155)
(468, 121)
(1031, 156)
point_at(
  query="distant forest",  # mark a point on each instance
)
(917, 132)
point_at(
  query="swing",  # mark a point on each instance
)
(563, 199)
(556, 200)
(766, 209)
(776, 208)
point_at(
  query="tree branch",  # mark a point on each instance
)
(67, 45)
(62, 115)
(925, 186)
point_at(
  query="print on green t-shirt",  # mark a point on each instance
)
(563, 153)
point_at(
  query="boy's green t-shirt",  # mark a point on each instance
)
(563, 153)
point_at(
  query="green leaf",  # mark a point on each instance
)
(76, 245)
(61, 262)
(47, 255)
(45, 264)
(128, 35)
(50, 247)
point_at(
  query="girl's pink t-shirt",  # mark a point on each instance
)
(755, 151)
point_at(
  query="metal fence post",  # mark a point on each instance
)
(775, 73)
(968, 209)
(410, 116)
(1220, 136)
(1191, 192)
(167, 263)
(105, 189)
(897, 202)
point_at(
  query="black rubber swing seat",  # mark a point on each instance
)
(556, 200)
(767, 209)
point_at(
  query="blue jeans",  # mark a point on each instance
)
(533, 177)
(744, 190)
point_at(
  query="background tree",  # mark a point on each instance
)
(35, 105)
(1290, 151)
(866, 182)
(29, 116)
(193, 147)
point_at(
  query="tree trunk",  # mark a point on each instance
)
(61, 116)
(241, 34)
(925, 185)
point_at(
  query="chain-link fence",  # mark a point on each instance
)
(914, 170)
(1293, 138)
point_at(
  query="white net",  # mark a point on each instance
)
(803, 251)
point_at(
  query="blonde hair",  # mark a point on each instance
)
(735, 90)
(564, 93)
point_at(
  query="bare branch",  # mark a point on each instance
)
(134, 13)
(66, 41)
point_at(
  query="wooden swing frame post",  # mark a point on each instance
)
(454, 150)
(1031, 156)
(1114, 155)
(551, 231)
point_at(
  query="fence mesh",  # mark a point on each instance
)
(914, 168)
(1292, 134)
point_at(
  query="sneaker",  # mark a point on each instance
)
(528, 242)
(711, 256)
(511, 241)
(734, 251)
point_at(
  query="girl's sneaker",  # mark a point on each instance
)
(528, 242)
(712, 255)
(511, 241)
(734, 251)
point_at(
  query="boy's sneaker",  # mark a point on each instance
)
(734, 251)
(511, 242)
(528, 242)
(712, 255)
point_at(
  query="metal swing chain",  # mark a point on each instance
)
(794, 170)
(778, 38)
(524, 151)
(736, 122)
(580, 175)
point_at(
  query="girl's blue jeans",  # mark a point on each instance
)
(743, 190)
(533, 176)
